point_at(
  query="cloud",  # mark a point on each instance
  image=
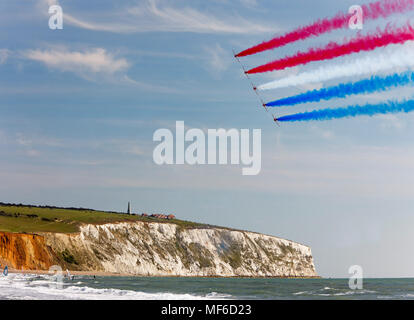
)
(147, 86)
(392, 121)
(93, 64)
(150, 16)
(91, 61)
(22, 140)
(125, 146)
(118, 146)
(218, 59)
(32, 153)
(191, 20)
(4, 54)
(27, 145)
(325, 134)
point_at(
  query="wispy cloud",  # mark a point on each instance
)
(155, 16)
(218, 59)
(392, 121)
(148, 86)
(96, 60)
(109, 146)
(96, 64)
(4, 54)
(27, 144)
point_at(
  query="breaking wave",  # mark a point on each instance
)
(41, 287)
(332, 292)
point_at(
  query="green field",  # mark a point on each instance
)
(25, 218)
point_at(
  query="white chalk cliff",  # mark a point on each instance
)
(166, 249)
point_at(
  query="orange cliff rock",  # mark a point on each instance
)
(27, 251)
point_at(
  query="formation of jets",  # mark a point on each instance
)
(254, 87)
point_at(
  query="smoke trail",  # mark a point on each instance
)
(373, 84)
(371, 11)
(402, 57)
(333, 49)
(351, 111)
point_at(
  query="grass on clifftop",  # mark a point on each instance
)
(26, 218)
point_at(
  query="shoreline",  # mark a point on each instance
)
(112, 274)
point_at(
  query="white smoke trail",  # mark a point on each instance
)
(401, 57)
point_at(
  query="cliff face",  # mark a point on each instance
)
(25, 250)
(165, 249)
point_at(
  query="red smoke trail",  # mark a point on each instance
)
(333, 49)
(317, 28)
(383, 8)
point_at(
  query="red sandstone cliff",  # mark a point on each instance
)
(27, 251)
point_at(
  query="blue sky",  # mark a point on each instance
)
(79, 107)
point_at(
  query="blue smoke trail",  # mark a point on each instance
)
(373, 84)
(351, 111)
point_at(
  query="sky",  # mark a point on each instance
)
(79, 106)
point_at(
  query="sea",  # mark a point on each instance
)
(40, 287)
